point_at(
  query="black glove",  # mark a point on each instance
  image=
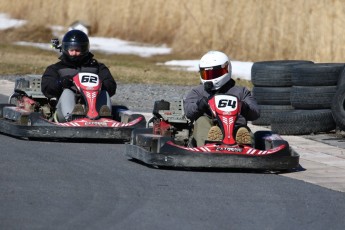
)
(203, 104)
(244, 108)
(67, 81)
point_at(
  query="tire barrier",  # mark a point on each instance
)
(315, 103)
(274, 73)
(272, 86)
(302, 122)
(338, 108)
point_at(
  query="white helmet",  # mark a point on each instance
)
(215, 68)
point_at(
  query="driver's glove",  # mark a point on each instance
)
(202, 104)
(67, 81)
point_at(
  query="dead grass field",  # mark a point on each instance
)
(18, 60)
(247, 30)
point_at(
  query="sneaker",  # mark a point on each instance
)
(243, 136)
(78, 110)
(104, 111)
(215, 134)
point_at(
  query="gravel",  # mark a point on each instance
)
(137, 97)
(141, 97)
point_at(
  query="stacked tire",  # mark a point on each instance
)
(312, 89)
(338, 103)
(312, 93)
(272, 87)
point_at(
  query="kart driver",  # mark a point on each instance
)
(57, 78)
(215, 74)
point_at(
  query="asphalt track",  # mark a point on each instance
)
(66, 185)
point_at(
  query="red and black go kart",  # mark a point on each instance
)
(166, 143)
(29, 114)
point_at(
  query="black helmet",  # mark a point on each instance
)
(75, 39)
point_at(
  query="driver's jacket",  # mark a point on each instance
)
(51, 80)
(250, 110)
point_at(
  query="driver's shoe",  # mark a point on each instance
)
(78, 110)
(104, 111)
(215, 134)
(243, 136)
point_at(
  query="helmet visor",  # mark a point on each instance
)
(214, 72)
(81, 47)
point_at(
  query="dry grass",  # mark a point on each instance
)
(248, 30)
(17, 60)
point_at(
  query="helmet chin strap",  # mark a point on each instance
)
(208, 86)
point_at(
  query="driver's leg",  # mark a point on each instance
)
(201, 128)
(65, 105)
(103, 105)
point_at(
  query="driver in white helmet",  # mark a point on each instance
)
(215, 74)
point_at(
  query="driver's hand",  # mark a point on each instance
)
(202, 104)
(67, 81)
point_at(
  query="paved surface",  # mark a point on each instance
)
(322, 157)
(322, 164)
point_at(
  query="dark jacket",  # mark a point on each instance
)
(250, 110)
(51, 80)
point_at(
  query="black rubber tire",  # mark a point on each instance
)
(274, 73)
(303, 122)
(115, 109)
(312, 97)
(272, 95)
(316, 74)
(5, 105)
(338, 108)
(267, 111)
(259, 139)
(341, 79)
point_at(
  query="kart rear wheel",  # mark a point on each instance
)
(4, 105)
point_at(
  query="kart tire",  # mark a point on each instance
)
(274, 73)
(259, 141)
(338, 108)
(36, 119)
(5, 105)
(138, 131)
(312, 97)
(316, 74)
(303, 122)
(267, 111)
(115, 111)
(151, 142)
(272, 95)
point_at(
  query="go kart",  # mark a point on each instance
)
(166, 141)
(29, 114)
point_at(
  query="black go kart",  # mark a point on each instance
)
(29, 114)
(166, 141)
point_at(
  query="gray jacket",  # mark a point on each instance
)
(250, 110)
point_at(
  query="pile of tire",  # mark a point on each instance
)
(338, 104)
(295, 96)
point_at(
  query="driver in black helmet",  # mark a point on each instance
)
(75, 58)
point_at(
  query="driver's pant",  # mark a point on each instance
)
(67, 102)
(201, 128)
(65, 105)
(203, 125)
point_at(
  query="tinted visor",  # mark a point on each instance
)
(214, 72)
(82, 47)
